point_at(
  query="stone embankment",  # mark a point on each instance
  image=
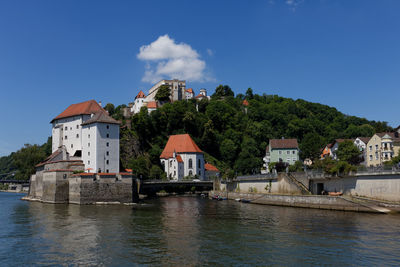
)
(307, 201)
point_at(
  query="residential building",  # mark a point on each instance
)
(140, 101)
(88, 133)
(202, 94)
(189, 94)
(211, 171)
(281, 150)
(331, 149)
(382, 147)
(361, 144)
(151, 106)
(181, 157)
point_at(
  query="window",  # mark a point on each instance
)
(280, 152)
(376, 155)
(190, 164)
(199, 173)
(288, 159)
(370, 157)
(77, 126)
(65, 137)
(77, 135)
(108, 144)
(107, 153)
(108, 126)
(72, 146)
(294, 152)
(108, 135)
(174, 173)
(170, 163)
(294, 159)
(376, 147)
(288, 152)
(88, 153)
(370, 148)
(88, 135)
(88, 162)
(107, 171)
(199, 164)
(66, 128)
(190, 173)
(88, 144)
(107, 162)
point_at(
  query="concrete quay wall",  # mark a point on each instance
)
(381, 187)
(302, 201)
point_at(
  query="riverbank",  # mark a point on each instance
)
(340, 203)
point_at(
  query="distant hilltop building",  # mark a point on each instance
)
(178, 92)
(88, 133)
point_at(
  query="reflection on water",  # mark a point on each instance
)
(186, 231)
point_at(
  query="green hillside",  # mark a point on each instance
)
(234, 136)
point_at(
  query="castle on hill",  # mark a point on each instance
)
(178, 92)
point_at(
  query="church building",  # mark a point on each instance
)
(181, 157)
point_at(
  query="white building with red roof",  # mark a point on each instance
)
(189, 93)
(181, 157)
(140, 101)
(88, 133)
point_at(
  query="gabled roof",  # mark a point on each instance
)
(365, 140)
(152, 104)
(190, 90)
(140, 95)
(84, 108)
(395, 136)
(180, 143)
(283, 143)
(201, 96)
(245, 103)
(210, 167)
(101, 116)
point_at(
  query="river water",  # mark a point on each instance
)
(191, 231)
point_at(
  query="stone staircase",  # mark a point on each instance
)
(304, 190)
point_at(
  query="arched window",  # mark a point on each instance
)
(190, 173)
(190, 164)
(170, 163)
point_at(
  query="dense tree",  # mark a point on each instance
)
(223, 91)
(349, 153)
(110, 109)
(163, 93)
(25, 160)
(311, 145)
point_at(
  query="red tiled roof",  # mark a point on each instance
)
(395, 136)
(181, 143)
(283, 143)
(152, 104)
(128, 170)
(190, 90)
(200, 96)
(365, 139)
(140, 95)
(179, 158)
(210, 167)
(245, 103)
(84, 108)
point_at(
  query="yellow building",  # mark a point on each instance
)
(382, 147)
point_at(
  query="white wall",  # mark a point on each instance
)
(107, 162)
(89, 137)
(195, 166)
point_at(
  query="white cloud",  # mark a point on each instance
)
(167, 59)
(293, 4)
(210, 52)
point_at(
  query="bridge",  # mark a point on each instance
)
(151, 187)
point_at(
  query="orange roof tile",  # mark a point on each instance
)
(245, 103)
(181, 143)
(190, 90)
(84, 108)
(200, 96)
(179, 158)
(140, 95)
(210, 167)
(152, 104)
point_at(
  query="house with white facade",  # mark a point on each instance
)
(202, 94)
(189, 94)
(181, 157)
(88, 133)
(140, 101)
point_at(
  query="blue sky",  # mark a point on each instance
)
(54, 53)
